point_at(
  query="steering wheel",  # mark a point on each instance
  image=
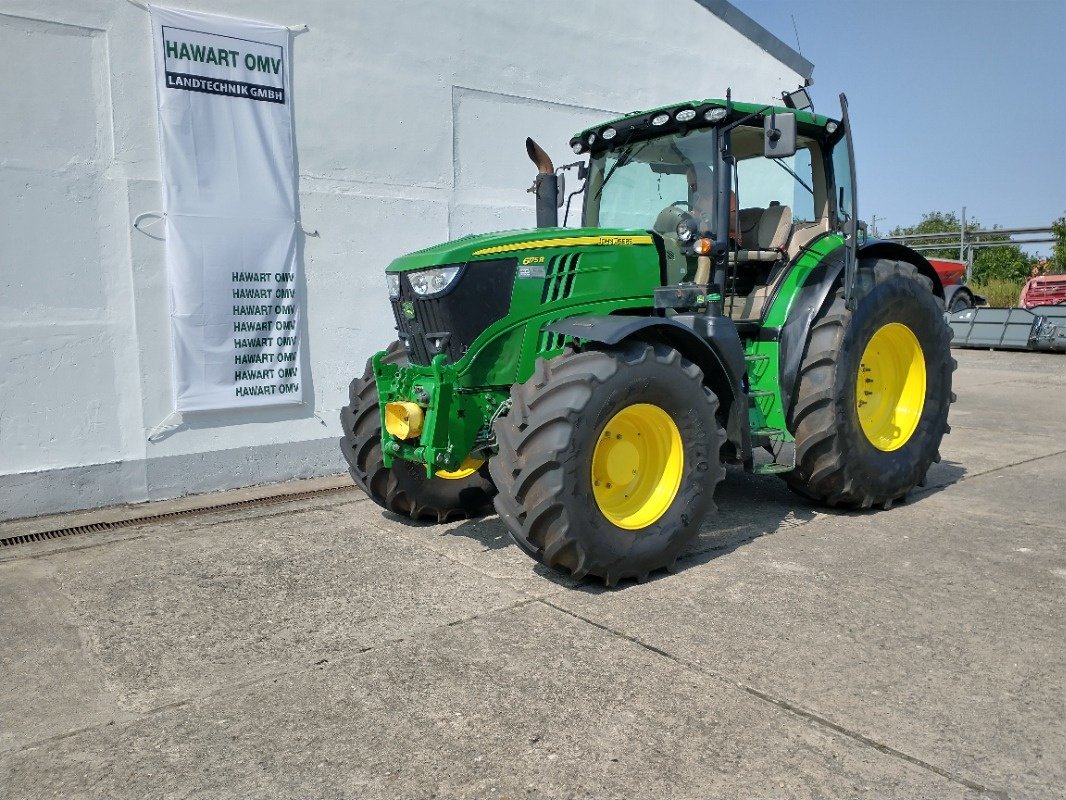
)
(685, 203)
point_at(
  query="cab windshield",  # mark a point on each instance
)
(632, 184)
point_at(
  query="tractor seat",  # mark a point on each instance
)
(767, 238)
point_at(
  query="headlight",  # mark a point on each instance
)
(431, 281)
(393, 280)
(686, 230)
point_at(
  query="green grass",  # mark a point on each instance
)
(999, 293)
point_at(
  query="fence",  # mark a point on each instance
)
(974, 240)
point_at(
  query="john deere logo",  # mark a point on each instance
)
(408, 309)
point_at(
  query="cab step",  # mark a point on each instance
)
(760, 393)
(773, 469)
(770, 432)
(753, 357)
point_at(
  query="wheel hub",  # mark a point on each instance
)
(636, 466)
(464, 470)
(890, 387)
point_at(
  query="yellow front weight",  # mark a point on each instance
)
(890, 387)
(404, 419)
(636, 466)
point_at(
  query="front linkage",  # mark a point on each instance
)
(427, 418)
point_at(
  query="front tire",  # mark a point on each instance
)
(608, 460)
(875, 385)
(404, 488)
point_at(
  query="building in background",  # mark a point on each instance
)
(410, 122)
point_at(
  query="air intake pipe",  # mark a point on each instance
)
(545, 187)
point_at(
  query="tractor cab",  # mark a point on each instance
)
(707, 179)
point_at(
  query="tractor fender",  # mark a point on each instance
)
(792, 337)
(711, 343)
(876, 248)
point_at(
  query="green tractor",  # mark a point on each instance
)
(720, 300)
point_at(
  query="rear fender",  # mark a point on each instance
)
(899, 252)
(711, 343)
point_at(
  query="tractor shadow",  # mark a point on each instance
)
(749, 508)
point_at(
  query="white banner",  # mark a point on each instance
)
(229, 189)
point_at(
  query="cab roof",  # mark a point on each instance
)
(638, 124)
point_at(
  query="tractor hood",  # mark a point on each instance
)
(502, 244)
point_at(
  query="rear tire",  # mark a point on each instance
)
(554, 447)
(960, 301)
(404, 488)
(865, 434)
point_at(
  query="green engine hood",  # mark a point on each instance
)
(503, 244)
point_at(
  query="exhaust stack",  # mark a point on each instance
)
(545, 187)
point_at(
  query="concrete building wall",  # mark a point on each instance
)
(410, 119)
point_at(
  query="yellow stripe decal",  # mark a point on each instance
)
(573, 241)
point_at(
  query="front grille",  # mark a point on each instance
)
(480, 296)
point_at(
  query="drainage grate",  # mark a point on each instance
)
(95, 527)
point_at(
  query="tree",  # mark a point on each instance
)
(1058, 250)
(936, 222)
(1001, 264)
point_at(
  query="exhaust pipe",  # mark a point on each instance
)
(545, 187)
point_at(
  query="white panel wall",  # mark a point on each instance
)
(410, 127)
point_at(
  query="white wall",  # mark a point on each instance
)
(410, 127)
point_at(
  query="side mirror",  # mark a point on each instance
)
(779, 135)
(560, 197)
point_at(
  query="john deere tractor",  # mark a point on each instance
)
(720, 301)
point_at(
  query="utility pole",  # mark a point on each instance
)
(873, 224)
(962, 236)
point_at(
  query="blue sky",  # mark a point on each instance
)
(953, 102)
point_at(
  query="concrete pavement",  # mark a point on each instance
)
(322, 649)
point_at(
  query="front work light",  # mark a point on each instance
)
(432, 281)
(715, 115)
(608, 133)
(660, 119)
(393, 280)
(685, 114)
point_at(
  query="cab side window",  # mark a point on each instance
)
(762, 182)
(842, 179)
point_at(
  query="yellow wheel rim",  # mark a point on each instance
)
(890, 388)
(636, 466)
(465, 470)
